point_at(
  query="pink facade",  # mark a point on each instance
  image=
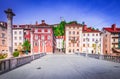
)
(42, 38)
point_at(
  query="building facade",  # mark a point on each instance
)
(111, 40)
(42, 38)
(60, 44)
(18, 38)
(91, 41)
(73, 37)
(3, 37)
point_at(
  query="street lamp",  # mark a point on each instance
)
(96, 45)
(87, 46)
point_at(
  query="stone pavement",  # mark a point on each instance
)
(65, 67)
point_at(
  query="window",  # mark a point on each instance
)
(69, 50)
(35, 44)
(83, 34)
(88, 45)
(93, 39)
(77, 44)
(73, 50)
(20, 43)
(36, 30)
(77, 32)
(69, 32)
(114, 40)
(69, 44)
(36, 37)
(3, 42)
(73, 44)
(106, 35)
(83, 45)
(48, 37)
(84, 39)
(20, 38)
(39, 30)
(24, 33)
(77, 49)
(92, 34)
(96, 34)
(15, 32)
(87, 40)
(48, 30)
(20, 32)
(73, 32)
(42, 37)
(15, 44)
(15, 38)
(87, 34)
(3, 29)
(42, 30)
(2, 35)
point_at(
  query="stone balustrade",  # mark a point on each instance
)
(12, 63)
(103, 57)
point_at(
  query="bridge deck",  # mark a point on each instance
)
(65, 67)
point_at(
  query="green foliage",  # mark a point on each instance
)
(16, 53)
(26, 45)
(2, 56)
(63, 44)
(59, 30)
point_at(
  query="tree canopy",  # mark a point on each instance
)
(59, 30)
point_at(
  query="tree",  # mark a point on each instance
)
(59, 30)
(26, 46)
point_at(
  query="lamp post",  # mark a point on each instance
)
(86, 47)
(96, 46)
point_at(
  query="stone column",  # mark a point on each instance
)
(10, 15)
(31, 41)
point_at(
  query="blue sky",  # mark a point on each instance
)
(95, 13)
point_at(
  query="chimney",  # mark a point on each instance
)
(85, 27)
(36, 22)
(114, 27)
(43, 21)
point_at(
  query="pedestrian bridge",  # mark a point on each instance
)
(65, 67)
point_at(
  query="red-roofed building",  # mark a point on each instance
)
(111, 40)
(91, 40)
(42, 38)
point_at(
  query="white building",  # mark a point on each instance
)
(91, 41)
(73, 37)
(18, 37)
(60, 42)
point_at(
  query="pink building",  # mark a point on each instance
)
(111, 40)
(42, 38)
